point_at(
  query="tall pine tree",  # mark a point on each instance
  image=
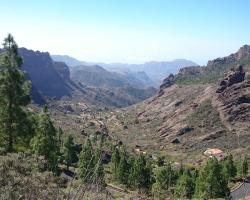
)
(115, 160)
(164, 179)
(243, 168)
(211, 183)
(86, 163)
(69, 151)
(14, 96)
(229, 169)
(185, 186)
(45, 142)
(123, 168)
(98, 165)
(141, 173)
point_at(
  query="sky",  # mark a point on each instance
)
(130, 31)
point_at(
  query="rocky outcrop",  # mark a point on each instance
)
(236, 75)
(167, 82)
(234, 97)
(241, 53)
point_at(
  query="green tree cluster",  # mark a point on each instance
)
(90, 169)
(45, 142)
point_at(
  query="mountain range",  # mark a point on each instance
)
(156, 71)
(95, 85)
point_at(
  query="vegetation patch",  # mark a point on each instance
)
(205, 116)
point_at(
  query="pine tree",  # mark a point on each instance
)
(60, 135)
(185, 186)
(98, 165)
(229, 169)
(115, 160)
(69, 151)
(164, 179)
(243, 168)
(131, 179)
(45, 141)
(86, 163)
(142, 173)
(211, 183)
(14, 96)
(122, 171)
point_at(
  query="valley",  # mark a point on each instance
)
(165, 132)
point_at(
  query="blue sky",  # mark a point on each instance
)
(132, 31)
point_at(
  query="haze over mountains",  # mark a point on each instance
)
(155, 70)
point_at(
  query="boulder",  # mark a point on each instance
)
(175, 141)
(185, 130)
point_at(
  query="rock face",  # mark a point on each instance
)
(236, 75)
(167, 82)
(43, 74)
(241, 53)
(63, 70)
(234, 97)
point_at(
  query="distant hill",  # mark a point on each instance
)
(70, 61)
(99, 77)
(156, 71)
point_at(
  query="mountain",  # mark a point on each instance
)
(107, 88)
(70, 61)
(41, 71)
(156, 71)
(53, 80)
(99, 77)
(198, 108)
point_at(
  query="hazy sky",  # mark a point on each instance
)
(130, 31)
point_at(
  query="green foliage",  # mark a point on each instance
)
(60, 135)
(141, 173)
(131, 161)
(243, 168)
(211, 182)
(14, 96)
(115, 160)
(160, 161)
(205, 115)
(211, 74)
(86, 162)
(122, 172)
(69, 151)
(45, 142)
(99, 169)
(229, 169)
(185, 186)
(165, 177)
(90, 164)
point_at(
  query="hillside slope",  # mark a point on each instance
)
(183, 119)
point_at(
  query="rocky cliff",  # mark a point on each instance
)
(42, 72)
